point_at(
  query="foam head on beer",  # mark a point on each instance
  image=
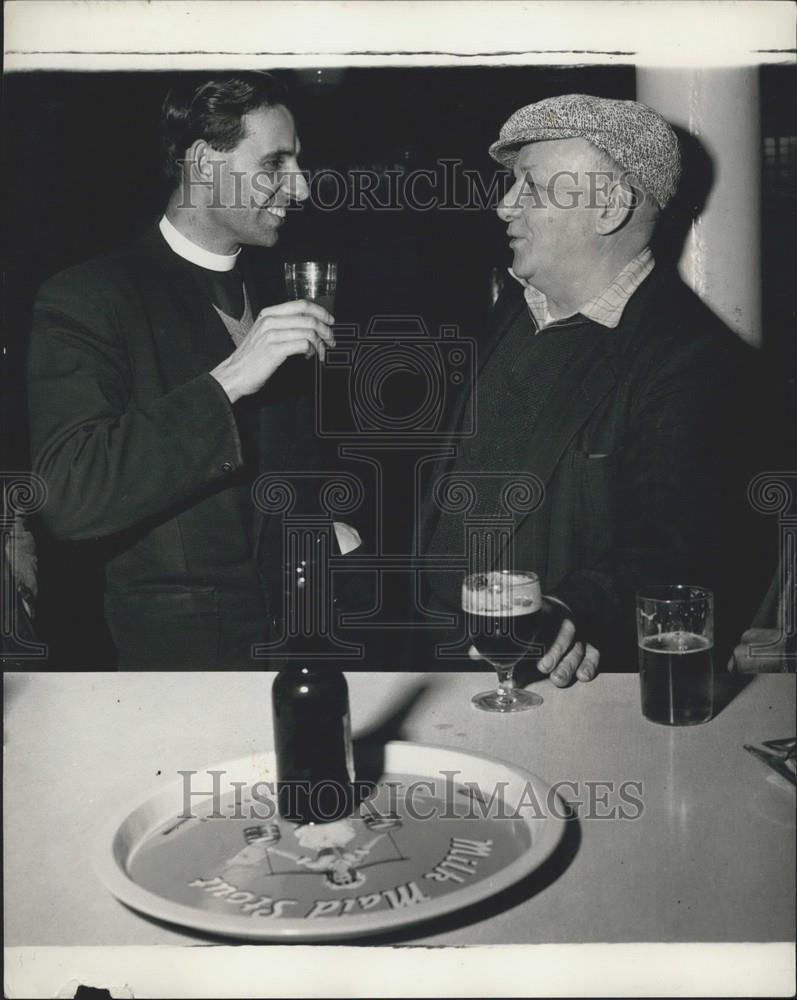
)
(501, 594)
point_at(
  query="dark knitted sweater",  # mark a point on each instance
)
(522, 370)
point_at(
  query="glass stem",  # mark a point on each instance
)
(506, 682)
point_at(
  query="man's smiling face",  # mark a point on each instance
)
(255, 182)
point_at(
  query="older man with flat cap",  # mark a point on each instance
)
(601, 374)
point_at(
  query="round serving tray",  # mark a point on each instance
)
(442, 830)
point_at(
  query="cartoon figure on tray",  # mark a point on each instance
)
(327, 846)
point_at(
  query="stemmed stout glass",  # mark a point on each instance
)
(502, 612)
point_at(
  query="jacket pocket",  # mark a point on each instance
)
(170, 628)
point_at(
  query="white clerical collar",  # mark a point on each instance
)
(191, 251)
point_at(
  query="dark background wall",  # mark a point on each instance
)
(81, 157)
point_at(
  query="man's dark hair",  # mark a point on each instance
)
(212, 108)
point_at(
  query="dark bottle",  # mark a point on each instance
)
(312, 738)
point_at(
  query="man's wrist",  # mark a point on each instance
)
(226, 379)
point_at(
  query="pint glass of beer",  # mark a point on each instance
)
(675, 635)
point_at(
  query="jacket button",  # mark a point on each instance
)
(227, 467)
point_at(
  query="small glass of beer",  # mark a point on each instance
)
(675, 634)
(502, 612)
(312, 279)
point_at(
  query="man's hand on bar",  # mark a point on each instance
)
(566, 657)
(769, 656)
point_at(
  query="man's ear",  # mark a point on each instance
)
(619, 201)
(198, 162)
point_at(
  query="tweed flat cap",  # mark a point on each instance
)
(634, 135)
